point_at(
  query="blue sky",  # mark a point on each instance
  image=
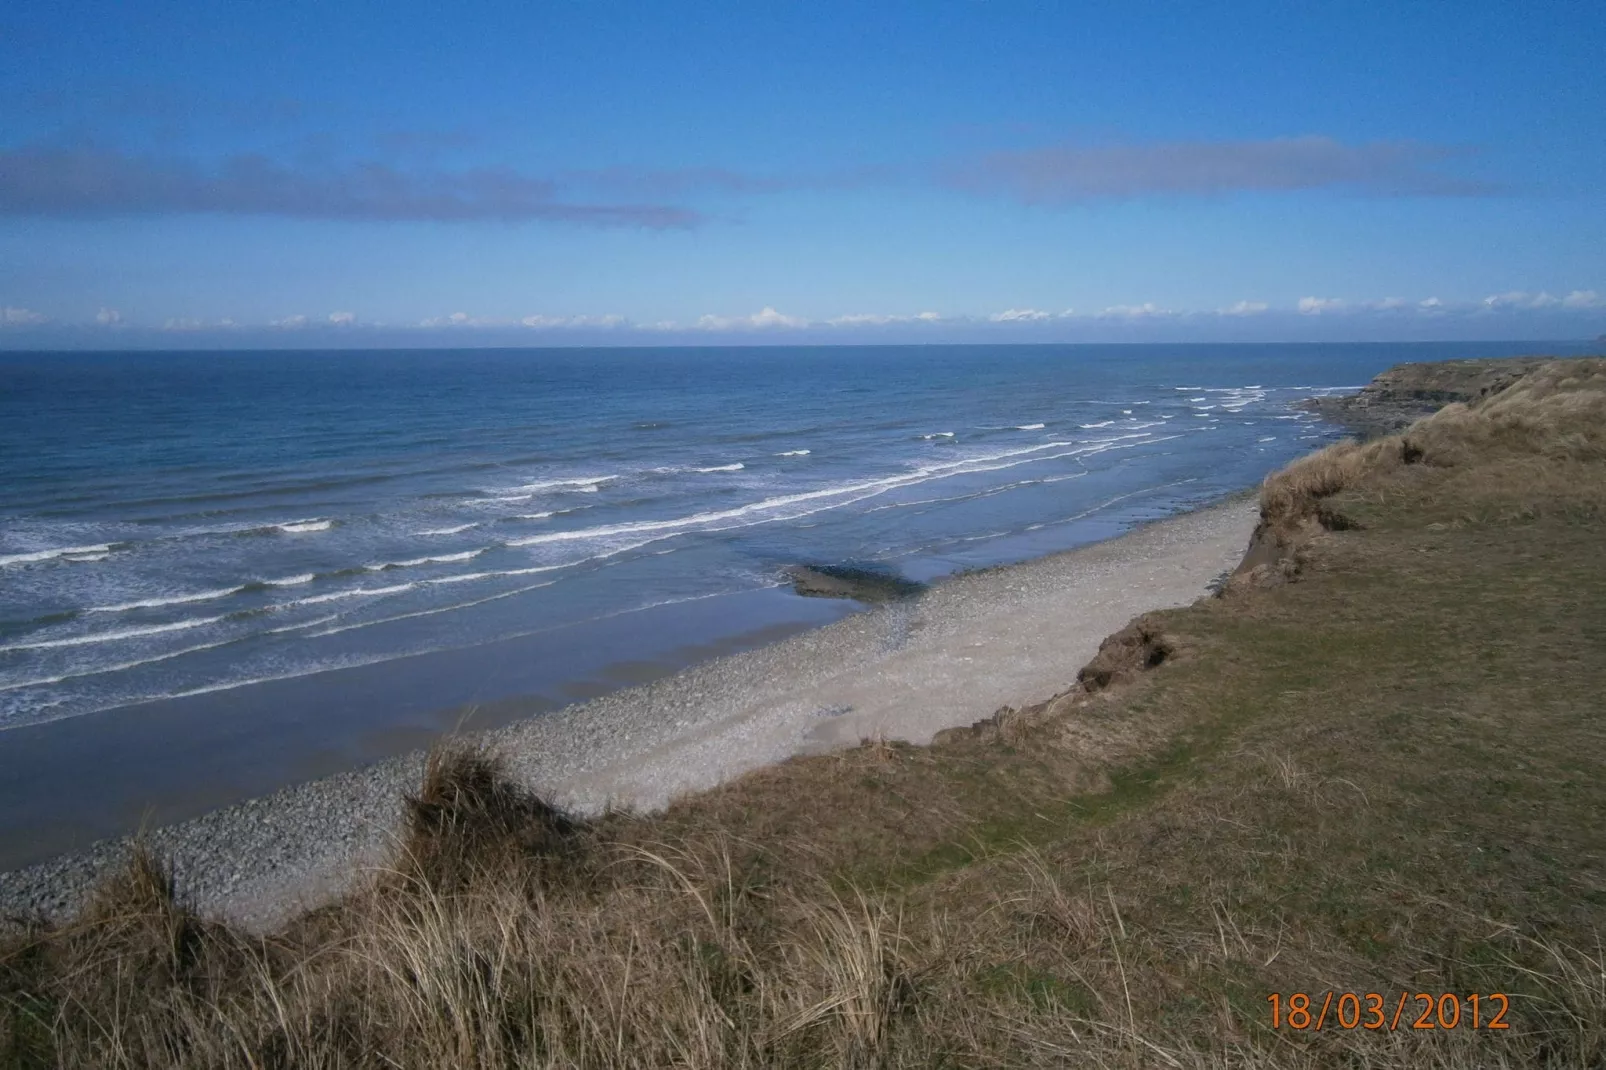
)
(535, 173)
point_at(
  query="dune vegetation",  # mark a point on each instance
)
(1376, 762)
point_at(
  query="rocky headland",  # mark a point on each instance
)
(1407, 392)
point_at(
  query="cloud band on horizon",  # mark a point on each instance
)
(94, 183)
(1070, 173)
(40, 180)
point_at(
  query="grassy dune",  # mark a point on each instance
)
(1377, 762)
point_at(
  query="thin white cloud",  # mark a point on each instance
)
(1244, 308)
(456, 319)
(21, 317)
(1520, 299)
(1576, 302)
(556, 322)
(880, 319)
(191, 323)
(766, 318)
(1315, 306)
(1147, 310)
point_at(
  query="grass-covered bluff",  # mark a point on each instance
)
(1375, 763)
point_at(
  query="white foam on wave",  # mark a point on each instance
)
(793, 453)
(737, 467)
(1126, 412)
(297, 527)
(100, 670)
(494, 574)
(770, 510)
(939, 434)
(170, 600)
(301, 624)
(1101, 423)
(436, 559)
(84, 559)
(119, 667)
(230, 685)
(974, 495)
(1030, 427)
(109, 637)
(532, 516)
(47, 555)
(583, 484)
(355, 592)
(447, 531)
(430, 612)
(292, 581)
(1267, 438)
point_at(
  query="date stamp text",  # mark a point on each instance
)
(1374, 1010)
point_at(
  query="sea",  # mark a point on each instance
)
(177, 524)
(224, 573)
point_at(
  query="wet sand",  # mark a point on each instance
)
(67, 784)
(1004, 636)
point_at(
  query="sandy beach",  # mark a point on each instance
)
(972, 643)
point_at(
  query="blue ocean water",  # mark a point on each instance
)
(175, 524)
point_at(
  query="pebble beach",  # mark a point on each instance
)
(1010, 635)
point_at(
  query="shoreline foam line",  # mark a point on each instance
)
(850, 492)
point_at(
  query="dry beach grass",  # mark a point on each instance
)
(1374, 764)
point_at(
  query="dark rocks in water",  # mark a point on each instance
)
(1407, 392)
(851, 581)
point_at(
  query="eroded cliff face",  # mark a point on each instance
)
(1407, 392)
